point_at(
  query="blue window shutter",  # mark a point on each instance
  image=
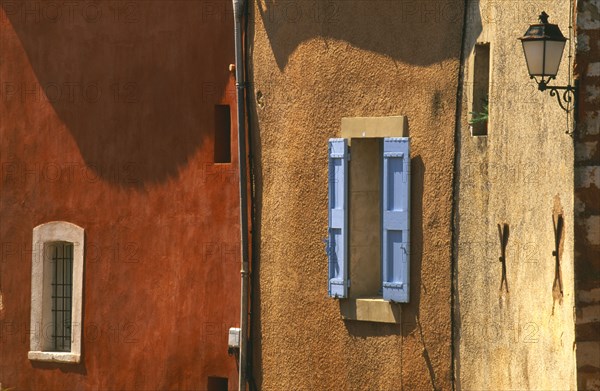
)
(396, 219)
(337, 248)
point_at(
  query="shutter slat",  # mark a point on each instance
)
(337, 248)
(396, 219)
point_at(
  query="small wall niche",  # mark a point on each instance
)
(217, 384)
(222, 150)
(478, 116)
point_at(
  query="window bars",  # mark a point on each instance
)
(62, 295)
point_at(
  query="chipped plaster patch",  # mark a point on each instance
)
(583, 43)
(591, 122)
(592, 93)
(580, 206)
(592, 227)
(586, 176)
(590, 296)
(588, 18)
(593, 69)
(590, 313)
(592, 384)
(588, 353)
(585, 150)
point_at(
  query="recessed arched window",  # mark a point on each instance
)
(56, 292)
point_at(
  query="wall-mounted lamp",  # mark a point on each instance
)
(543, 45)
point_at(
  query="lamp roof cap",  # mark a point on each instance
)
(543, 31)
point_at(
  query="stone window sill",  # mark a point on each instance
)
(370, 309)
(65, 357)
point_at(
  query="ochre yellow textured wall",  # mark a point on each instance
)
(312, 64)
(521, 175)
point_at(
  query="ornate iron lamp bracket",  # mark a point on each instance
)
(565, 95)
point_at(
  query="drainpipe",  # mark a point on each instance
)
(238, 11)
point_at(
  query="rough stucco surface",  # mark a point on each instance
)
(312, 65)
(107, 123)
(521, 174)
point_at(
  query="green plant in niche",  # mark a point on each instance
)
(480, 117)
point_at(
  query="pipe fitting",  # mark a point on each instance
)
(238, 9)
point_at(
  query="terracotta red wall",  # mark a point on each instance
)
(106, 121)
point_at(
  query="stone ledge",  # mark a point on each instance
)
(64, 357)
(370, 309)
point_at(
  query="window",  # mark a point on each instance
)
(481, 89)
(56, 292)
(61, 255)
(369, 193)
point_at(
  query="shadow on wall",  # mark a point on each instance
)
(134, 82)
(475, 27)
(398, 29)
(409, 315)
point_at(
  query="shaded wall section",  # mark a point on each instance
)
(107, 117)
(312, 64)
(514, 330)
(587, 196)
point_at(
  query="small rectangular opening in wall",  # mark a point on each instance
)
(222, 134)
(217, 384)
(478, 118)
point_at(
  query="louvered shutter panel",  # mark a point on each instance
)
(337, 248)
(396, 219)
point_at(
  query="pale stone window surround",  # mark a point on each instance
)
(41, 301)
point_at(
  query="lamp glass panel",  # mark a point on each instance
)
(554, 51)
(534, 55)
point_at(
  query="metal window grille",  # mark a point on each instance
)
(62, 295)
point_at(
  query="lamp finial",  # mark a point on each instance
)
(544, 17)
